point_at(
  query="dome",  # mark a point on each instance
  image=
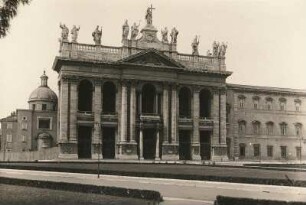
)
(43, 92)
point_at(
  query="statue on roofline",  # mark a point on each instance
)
(195, 45)
(223, 48)
(173, 35)
(134, 31)
(215, 48)
(164, 33)
(74, 34)
(125, 30)
(97, 34)
(149, 17)
(65, 32)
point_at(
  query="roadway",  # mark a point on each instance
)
(174, 191)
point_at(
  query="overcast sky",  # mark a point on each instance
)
(266, 38)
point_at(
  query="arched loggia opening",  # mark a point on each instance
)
(148, 98)
(85, 96)
(185, 102)
(109, 98)
(205, 103)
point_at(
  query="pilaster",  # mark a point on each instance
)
(73, 110)
(196, 114)
(97, 140)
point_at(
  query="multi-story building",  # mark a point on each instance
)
(265, 123)
(145, 100)
(33, 128)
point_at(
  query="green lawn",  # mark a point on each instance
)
(15, 195)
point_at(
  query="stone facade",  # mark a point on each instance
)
(156, 99)
(266, 123)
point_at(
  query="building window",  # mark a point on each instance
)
(9, 138)
(44, 107)
(23, 138)
(283, 128)
(256, 127)
(297, 105)
(44, 123)
(298, 152)
(283, 151)
(242, 150)
(256, 150)
(241, 127)
(269, 102)
(256, 102)
(9, 126)
(282, 104)
(33, 107)
(241, 100)
(24, 118)
(24, 126)
(270, 151)
(270, 127)
(298, 129)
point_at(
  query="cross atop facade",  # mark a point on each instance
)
(149, 17)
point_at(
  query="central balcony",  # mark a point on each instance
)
(85, 116)
(109, 119)
(149, 117)
(206, 123)
(185, 122)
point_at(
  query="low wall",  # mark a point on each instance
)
(44, 154)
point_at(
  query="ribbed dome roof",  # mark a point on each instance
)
(43, 92)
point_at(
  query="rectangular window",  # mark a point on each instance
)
(298, 152)
(44, 107)
(23, 138)
(9, 126)
(283, 151)
(33, 107)
(270, 151)
(283, 129)
(241, 102)
(242, 150)
(24, 126)
(9, 138)
(44, 123)
(256, 150)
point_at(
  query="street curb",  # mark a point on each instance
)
(85, 188)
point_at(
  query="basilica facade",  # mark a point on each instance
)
(146, 101)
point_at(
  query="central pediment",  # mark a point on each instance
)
(151, 57)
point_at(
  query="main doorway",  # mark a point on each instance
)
(108, 142)
(185, 145)
(149, 143)
(84, 142)
(205, 145)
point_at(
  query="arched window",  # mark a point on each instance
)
(282, 104)
(256, 127)
(297, 103)
(205, 102)
(283, 128)
(85, 90)
(241, 127)
(269, 102)
(148, 98)
(241, 100)
(298, 129)
(184, 102)
(270, 128)
(109, 98)
(256, 102)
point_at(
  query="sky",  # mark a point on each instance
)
(266, 38)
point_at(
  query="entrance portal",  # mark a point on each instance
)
(185, 145)
(205, 145)
(108, 142)
(149, 143)
(84, 142)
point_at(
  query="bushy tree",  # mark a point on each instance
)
(8, 10)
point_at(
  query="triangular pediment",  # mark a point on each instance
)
(151, 57)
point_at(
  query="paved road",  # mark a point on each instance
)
(174, 191)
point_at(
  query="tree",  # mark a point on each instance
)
(7, 12)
